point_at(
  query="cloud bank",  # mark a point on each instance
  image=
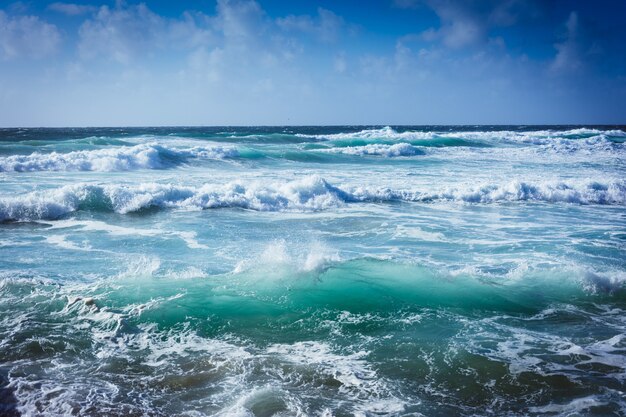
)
(27, 36)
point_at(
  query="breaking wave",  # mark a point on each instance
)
(390, 142)
(311, 193)
(399, 149)
(388, 132)
(143, 156)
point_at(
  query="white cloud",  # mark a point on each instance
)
(240, 29)
(340, 63)
(244, 45)
(459, 27)
(27, 36)
(124, 33)
(467, 23)
(120, 33)
(240, 22)
(190, 31)
(568, 55)
(326, 26)
(72, 9)
(461, 32)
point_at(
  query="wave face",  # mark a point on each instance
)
(144, 156)
(309, 194)
(313, 271)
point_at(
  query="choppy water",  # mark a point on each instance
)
(329, 271)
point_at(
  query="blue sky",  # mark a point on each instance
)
(245, 62)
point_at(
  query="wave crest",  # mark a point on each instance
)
(143, 156)
(399, 149)
(388, 132)
(311, 193)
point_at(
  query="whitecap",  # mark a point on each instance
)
(125, 158)
(311, 193)
(390, 151)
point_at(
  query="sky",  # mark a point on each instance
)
(300, 62)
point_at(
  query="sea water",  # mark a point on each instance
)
(313, 271)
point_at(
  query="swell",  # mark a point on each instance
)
(560, 141)
(311, 193)
(158, 152)
(374, 285)
(388, 132)
(361, 284)
(222, 338)
(143, 156)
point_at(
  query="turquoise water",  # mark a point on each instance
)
(313, 271)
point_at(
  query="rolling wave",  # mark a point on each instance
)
(390, 142)
(388, 132)
(168, 152)
(311, 193)
(142, 156)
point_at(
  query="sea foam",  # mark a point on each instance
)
(388, 132)
(398, 149)
(311, 193)
(142, 156)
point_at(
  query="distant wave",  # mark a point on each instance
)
(534, 137)
(311, 193)
(143, 156)
(399, 149)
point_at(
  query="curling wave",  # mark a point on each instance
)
(143, 156)
(311, 193)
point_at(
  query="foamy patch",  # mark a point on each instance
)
(66, 384)
(62, 242)
(526, 350)
(388, 132)
(56, 396)
(13, 243)
(383, 133)
(574, 407)
(188, 273)
(185, 343)
(141, 266)
(415, 232)
(189, 237)
(142, 156)
(314, 257)
(390, 151)
(352, 371)
(319, 257)
(582, 192)
(275, 253)
(545, 151)
(256, 401)
(606, 281)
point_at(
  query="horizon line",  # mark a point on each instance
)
(618, 125)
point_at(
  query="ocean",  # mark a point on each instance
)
(313, 271)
